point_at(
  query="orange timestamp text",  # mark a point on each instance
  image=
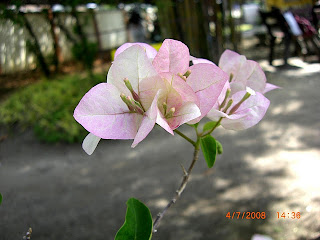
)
(246, 215)
(292, 215)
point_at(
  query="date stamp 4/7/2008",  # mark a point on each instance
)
(246, 215)
(262, 215)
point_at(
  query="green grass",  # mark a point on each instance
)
(47, 107)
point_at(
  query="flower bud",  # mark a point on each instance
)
(219, 147)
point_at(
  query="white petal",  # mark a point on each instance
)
(90, 143)
(151, 52)
(134, 64)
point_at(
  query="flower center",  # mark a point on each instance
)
(133, 104)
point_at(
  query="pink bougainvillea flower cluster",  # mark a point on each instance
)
(241, 103)
(145, 87)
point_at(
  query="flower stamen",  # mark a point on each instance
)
(228, 106)
(225, 98)
(129, 86)
(165, 107)
(245, 97)
(170, 113)
(187, 73)
(184, 78)
(231, 77)
(132, 105)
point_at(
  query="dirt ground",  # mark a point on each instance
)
(63, 194)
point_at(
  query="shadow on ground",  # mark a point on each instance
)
(273, 167)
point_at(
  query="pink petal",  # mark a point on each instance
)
(200, 60)
(245, 72)
(102, 112)
(151, 52)
(162, 122)
(173, 56)
(148, 122)
(230, 62)
(223, 94)
(270, 87)
(215, 114)
(134, 64)
(256, 79)
(148, 89)
(90, 143)
(249, 113)
(207, 81)
(237, 86)
(185, 91)
(184, 114)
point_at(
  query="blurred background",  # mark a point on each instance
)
(53, 52)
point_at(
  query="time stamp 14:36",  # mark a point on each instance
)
(262, 215)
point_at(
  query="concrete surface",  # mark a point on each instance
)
(63, 194)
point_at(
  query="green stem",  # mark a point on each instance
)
(212, 129)
(185, 137)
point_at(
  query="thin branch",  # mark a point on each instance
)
(181, 188)
(185, 137)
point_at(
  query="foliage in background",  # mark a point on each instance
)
(82, 50)
(19, 18)
(48, 106)
(85, 53)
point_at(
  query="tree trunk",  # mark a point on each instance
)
(36, 46)
(217, 19)
(66, 32)
(205, 38)
(96, 29)
(231, 24)
(56, 47)
(78, 27)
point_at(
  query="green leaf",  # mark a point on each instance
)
(209, 149)
(193, 125)
(138, 224)
(0, 198)
(219, 147)
(208, 126)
